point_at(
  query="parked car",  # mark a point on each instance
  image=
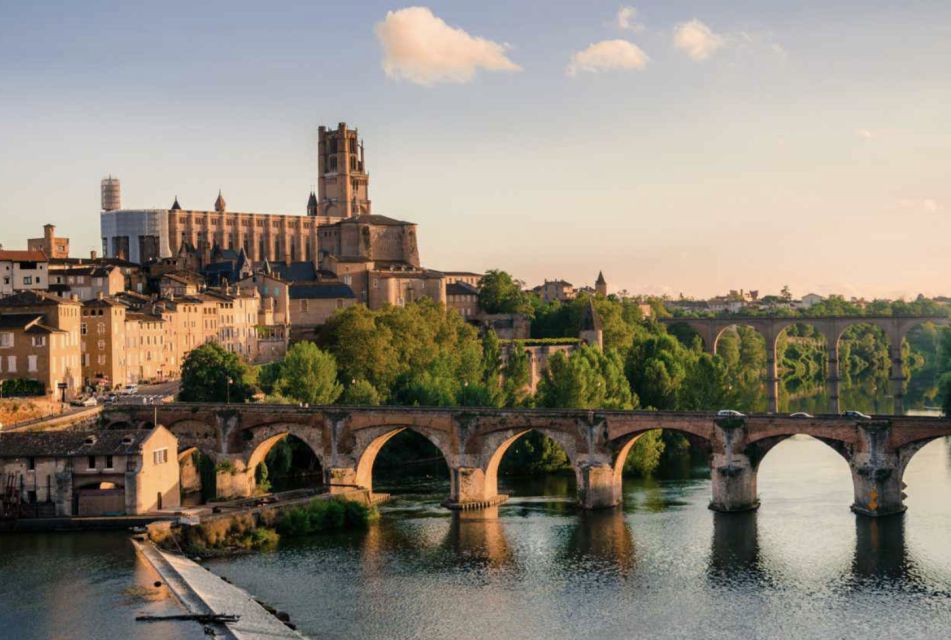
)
(856, 414)
(801, 414)
(84, 402)
(729, 413)
(129, 389)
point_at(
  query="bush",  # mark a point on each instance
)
(321, 516)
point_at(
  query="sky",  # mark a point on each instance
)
(680, 146)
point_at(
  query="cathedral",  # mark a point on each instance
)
(339, 237)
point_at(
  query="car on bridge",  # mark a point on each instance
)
(729, 413)
(856, 414)
(801, 414)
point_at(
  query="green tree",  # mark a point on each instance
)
(516, 376)
(500, 293)
(360, 393)
(309, 375)
(212, 374)
(588, 379)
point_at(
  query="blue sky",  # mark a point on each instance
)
(801, 143)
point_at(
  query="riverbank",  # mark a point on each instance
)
(203, 593)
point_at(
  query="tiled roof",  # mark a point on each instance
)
(32, 299)
(18, 320)
(319, 290)
(373, 219)
(24, 256)
(461, 289)
(72, 443)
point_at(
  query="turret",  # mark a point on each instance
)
(111, 195)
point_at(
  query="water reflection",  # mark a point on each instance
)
(880, 550)
(735, 550)
(601, 538)
(478, 537)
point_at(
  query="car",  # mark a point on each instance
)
(111, 398)
(801, 414)
(129, 389)
(856, 414)
(729, 413)
(84, 402)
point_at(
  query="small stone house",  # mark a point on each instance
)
(90, 473)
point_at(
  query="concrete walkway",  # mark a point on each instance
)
(203, 592)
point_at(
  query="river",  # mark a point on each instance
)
(664, 566)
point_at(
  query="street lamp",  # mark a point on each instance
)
(228, 390)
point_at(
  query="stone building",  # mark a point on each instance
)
(86, 282)
(23, 271)
(310, 304)
(553, 290)
(103, 343)
(464, 298)
(40, 341)
(81, 473)
(49, 244)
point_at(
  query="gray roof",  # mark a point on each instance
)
(72, 443)
(461, 289)
(319, 290)
(19, 320)
(302, 271)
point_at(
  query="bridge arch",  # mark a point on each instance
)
(498, 443)
(371, 440)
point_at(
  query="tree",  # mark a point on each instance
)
(500, 293)
(516, 376)
(360, 393)
(212, 374)
(309, 375)
(588, 379)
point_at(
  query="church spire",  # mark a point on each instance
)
(220, 203)
(175, 205)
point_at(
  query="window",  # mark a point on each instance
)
(39, 341)
(6, 339)
(11, 364)
(31, 363)
(91, 462)
(82, 328)
(108, 462)
(27, 279)
(31, 463)
(160, 456)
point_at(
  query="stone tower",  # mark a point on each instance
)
(591, 332)
(601, 285)
(342, 180)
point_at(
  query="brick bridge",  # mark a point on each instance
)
(346, 441)
(830, 328)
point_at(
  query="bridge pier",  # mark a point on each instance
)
(598, 486)
(341, 479)
(470, 487)
(232, 477)
(832, 377)
(732, 473)
(733, 481)
(876, 473)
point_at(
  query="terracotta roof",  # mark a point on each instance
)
(22, 256)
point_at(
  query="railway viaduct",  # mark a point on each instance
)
(346, 441)
(831, 328)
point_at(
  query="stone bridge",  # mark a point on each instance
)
(346, 441)
(831, 328)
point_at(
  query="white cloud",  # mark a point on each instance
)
(625, 20)
(608, 55)
(422, 48)
(922, 205)
(697, 40)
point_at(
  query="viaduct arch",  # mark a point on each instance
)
(896, 328)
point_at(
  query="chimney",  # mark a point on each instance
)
(100, 296)
(93, 255)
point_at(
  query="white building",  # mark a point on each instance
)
(23, 271)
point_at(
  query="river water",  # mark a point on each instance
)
(664, 566)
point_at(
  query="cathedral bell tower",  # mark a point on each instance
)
(342, 179)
